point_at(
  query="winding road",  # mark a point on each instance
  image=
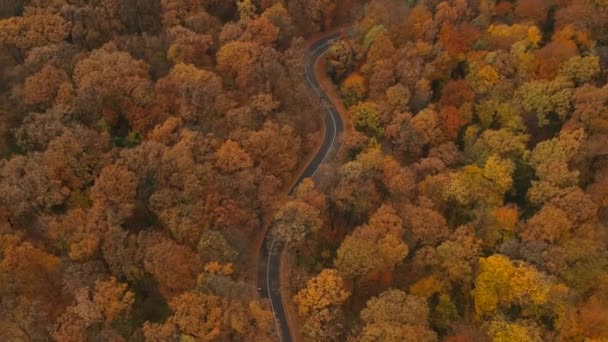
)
(269, 277)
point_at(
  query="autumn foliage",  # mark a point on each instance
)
(148, 146)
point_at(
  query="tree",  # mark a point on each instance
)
(188, 47)
(275, 149)
(155, 332)
(356, 258)
(493, 112)
(379, 46)
(353, 89)
(174, 266)
(113, 84)
(419, 24)
(29, 286)
(114, 193)
(456, 93)
(588, 108)
(549, 159)
(319, 14)
(246, 10)
(26, 188)
(427, 124)
(340, 59)
(262, 31)
(581, 69)
(458, 39)
(406, 139)
(396, 316)
(356, 194)
(308, 193)
(71, 159)
(113, 298)
(487, 186)
(198, 315)
(427, 226)
(455, 262)
(451, 11)
(501, 143)
(535, 10)
(381, 77)
(550, 224)
(366, 117)
(375, 247)
(577, 204)
(398, 96)
(593, 318)
(324, 291)
(280, 17)
(26, 270)
(73, 324)
(296, 221)
(452, 120)
(238, 60)
(482, 77)
(326, 325)
(39, 129)
(396, 306)
(26, 32)
(546, 97)
(176, 12)
(189, 93)
(41, 88)
(93, 24)
(502, 283)
(120, 251)
(503, 331)
(231, 158)
(548, 59)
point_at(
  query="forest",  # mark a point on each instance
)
(148, 146)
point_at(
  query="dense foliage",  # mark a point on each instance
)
(469, 200)
(145, 143)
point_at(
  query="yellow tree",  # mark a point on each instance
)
(113, 298)
(503, 331)
(198, 315)
(544, 97)
(366, 117)
(238, 60)
(327, 289)
(502, 283)
(486, 186)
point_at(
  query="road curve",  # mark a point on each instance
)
(269, 277)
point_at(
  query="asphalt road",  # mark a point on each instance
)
(269, 276)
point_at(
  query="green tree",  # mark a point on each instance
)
(366, 117)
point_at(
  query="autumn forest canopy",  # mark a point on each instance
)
(147, 146)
